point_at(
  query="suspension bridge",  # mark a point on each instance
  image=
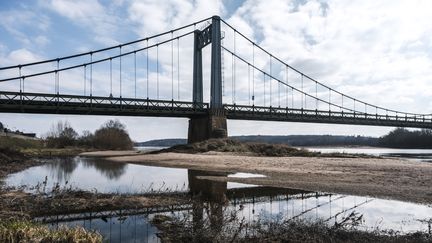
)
(163, 75)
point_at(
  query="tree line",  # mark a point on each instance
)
(404, 138)
(111, 135)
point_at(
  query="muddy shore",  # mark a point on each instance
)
(383, 178)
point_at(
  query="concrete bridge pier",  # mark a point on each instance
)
(214, 125)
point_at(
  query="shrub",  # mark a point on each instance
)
(61, 135)
(112, 135)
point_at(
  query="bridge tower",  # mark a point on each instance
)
(214, 124)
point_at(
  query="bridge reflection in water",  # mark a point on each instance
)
(214, 199)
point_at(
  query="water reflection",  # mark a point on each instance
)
(61, 168)
(215, 201)
(421, 155)
(101, 175)
(109, 169)
(135, 228)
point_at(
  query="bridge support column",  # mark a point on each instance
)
(214, 125)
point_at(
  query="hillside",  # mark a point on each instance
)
(294, 140)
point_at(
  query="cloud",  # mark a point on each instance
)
(91, 15)
(376, 51)
(353, 46)
(152, 17)
(23, 24)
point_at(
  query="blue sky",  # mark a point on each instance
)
(379, 52)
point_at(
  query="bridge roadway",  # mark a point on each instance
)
(39, 103)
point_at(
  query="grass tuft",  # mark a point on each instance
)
(26, 231)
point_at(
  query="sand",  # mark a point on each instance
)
(377, 177)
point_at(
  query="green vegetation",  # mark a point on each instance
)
(26, 231)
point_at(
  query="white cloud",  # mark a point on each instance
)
(360, 47)
(19, 22)
(91, 15)
(376, 51)
(152, 16)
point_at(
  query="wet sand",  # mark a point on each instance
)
(384, 178)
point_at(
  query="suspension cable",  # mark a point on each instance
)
(234, 68)
(233, 79)
(58, 77)
(91, 74)
(178, 68)
(298, 71)
(264, 88)
(111, 77)
(172, 67)
(253, 74)
(135, 74)
(302, 94)
(278, 80)
(316, 95)
(94, 62)
(120, 63)
(249, 87)
(147, 69)
(107, 48)
(19, 73)
(85, 78)
(157, 71)
(287, 90)
(270, 80)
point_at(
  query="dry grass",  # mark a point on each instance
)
(26, 231)
(249, 148)
(203, 226)
(19, 143)
(234, 146)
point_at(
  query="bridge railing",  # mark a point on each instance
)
(293, 112)
(75, 104)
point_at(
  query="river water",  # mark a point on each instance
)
(251, 202)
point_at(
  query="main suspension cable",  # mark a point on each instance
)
(296, 70)
(104, 49)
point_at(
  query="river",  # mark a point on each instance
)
(251, 202)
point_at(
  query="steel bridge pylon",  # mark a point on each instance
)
(213, 124)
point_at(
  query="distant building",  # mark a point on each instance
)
(31, 135)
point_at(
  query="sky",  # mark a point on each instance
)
(376, 51)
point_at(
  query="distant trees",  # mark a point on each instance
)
(404, 138)
(111, 135)
(61, 135)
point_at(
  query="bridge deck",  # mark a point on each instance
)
(16, 102)
(321, 116)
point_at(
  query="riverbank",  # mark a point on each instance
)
(377, 177)
(13, 160)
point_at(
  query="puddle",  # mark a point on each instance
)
(245, 175)
(102, 176)
(420, 155)
(265, 203)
